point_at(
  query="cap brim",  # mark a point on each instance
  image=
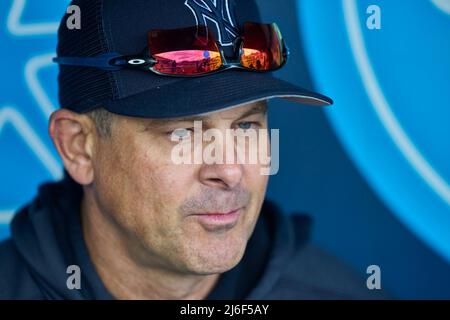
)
(194, 96)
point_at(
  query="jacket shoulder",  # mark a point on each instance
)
(15, 280)
(316, 274)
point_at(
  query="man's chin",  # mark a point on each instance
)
(207, 270)
(217, 261)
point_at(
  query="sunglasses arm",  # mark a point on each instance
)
(109, 61)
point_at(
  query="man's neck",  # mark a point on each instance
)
(123, 276)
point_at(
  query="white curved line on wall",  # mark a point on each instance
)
(383, 109)
(12, 116)
(443, 5)
(15, 26)
(6, 216)
(32, 67)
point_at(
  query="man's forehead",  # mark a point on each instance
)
(234, 113)
(238, 111)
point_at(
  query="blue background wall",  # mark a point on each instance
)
(342, 165)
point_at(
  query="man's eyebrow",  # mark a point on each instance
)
(161, 123)
(262, 109)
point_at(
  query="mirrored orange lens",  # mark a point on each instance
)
(262, 47)
(188, 51)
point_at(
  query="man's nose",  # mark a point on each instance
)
(225, 176)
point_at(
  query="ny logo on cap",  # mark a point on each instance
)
(218, 12)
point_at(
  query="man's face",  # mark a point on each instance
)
(174, 213)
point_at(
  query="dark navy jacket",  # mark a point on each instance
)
(279, 263)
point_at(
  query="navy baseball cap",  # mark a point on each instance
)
(122, 25)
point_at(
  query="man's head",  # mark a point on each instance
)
(114, 131)
(168, 210)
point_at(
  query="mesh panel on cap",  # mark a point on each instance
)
(82, 89)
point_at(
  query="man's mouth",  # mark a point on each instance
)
(214, 221)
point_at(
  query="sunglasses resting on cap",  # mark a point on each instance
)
(194, 51)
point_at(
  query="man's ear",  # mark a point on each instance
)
(73, 137)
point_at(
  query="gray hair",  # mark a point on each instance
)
(103, 121)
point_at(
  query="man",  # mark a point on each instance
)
(127, 222)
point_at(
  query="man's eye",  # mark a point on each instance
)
(182, 133)
(246, 125)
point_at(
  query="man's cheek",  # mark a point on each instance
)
(254, 179)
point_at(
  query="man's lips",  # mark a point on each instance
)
(219, 213)
(214, 220)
